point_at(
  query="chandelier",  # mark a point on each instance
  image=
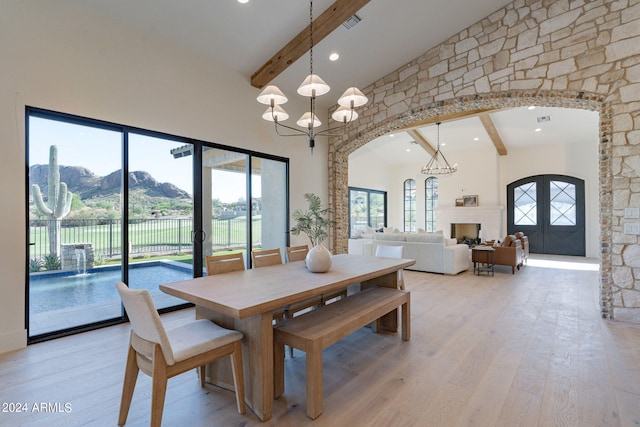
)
(438, 165)
(311, 87)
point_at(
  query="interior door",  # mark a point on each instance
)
(550, 210)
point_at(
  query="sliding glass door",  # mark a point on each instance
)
(161, 229)
(74, 224)
(109, 203)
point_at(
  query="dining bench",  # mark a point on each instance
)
(313, 331)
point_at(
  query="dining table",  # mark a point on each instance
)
(246, 300)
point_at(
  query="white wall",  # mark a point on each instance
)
(55, 55)
(486, 174)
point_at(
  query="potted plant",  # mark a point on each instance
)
(315, 223)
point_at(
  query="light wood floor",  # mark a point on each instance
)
(528, 349)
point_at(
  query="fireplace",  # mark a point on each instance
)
(466, 233)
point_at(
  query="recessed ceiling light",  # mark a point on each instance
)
(243, 1)
(476, 139)
(531, 107)
(538, 129)
(391, 135)
(334, 56)
(408, 149)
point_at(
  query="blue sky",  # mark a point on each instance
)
(100, 151)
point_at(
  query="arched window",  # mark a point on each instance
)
(430, 203)
(410, 205)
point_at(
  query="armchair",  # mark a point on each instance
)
(510, 253)
(524, 240)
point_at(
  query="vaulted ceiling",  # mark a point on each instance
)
(266, 41)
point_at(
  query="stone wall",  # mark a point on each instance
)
(574, 54)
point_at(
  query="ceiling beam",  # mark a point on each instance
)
(422, 141)
(493, 133)
(444, 118)
(323, 25)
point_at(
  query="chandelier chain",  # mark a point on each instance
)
(311, 36)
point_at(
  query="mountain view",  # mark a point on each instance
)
(99, 196)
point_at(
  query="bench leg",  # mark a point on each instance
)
(278, 369)
(406, 320)
(314, 381)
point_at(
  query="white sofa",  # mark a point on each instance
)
(432, 252)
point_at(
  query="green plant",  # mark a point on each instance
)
(52, 262)
(314, 222)
(35, 265)
(58, 202)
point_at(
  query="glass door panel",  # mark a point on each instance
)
(224, 202)
(74, 228)
(161, 228)
(269, 204)
(358, 211)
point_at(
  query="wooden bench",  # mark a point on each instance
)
(318, 329)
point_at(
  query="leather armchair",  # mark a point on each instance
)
(524, 241)
(510, 253)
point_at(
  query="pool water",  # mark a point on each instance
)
(55, 291)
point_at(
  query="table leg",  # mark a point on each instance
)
(257, 358)
(388, 322)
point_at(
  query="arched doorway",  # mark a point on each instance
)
(549, 209)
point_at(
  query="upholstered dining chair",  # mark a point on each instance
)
(389, 251)
(266, 257)
(218, 264)
(163, 353)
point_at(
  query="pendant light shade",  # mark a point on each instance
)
(352, 95)
(306, 120)
(344, 114)
(271, 95)
(312, 83)
(274, 114)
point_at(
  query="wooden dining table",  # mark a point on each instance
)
(246, 300)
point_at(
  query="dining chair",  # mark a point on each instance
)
(297, 253)
(225, 263)
(389, 251)
(266, 257)
(163, 353)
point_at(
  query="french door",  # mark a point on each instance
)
(550, 210)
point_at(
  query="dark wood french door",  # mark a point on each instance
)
(549, 209)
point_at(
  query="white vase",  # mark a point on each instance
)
(318, 259)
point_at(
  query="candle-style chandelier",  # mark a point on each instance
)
(438, 164)
(312, 86)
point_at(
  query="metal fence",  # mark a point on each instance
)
(146, 237)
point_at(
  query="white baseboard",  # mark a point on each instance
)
(14, 340)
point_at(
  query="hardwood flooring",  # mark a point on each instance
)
(528, 349)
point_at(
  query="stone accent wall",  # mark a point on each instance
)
(574, 54)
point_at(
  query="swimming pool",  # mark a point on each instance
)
(55, 291)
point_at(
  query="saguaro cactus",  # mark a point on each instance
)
(58, 203)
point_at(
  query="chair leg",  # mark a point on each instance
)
(129, 384)
(238, 375)
(159, 387)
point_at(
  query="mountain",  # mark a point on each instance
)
(87, 185)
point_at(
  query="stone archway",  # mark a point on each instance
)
(554, 53)
(339, 151)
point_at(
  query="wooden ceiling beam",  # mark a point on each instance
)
(323, 25)
(485, 118)
(444, 118)
(422, 141)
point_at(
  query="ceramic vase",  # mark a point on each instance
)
(318, 259)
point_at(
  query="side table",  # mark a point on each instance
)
(482, 257)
